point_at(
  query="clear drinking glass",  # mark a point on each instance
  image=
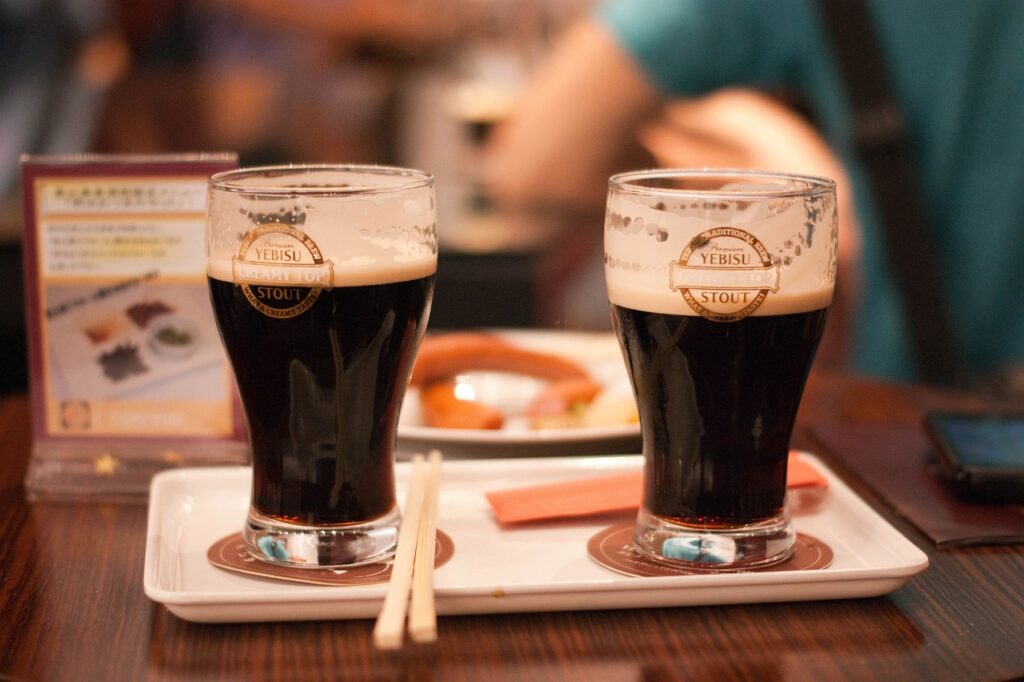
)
(720, 284)
(321, 279)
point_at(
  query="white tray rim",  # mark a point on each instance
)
(617, 591)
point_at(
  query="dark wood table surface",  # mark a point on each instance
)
(72, 607)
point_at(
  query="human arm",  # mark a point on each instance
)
(742, 128)
(574, 125)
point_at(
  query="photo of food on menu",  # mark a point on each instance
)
(142, 340)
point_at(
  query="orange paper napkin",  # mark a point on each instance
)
(603, 494)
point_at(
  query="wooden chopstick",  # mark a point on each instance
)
(388, 632)
(422, 615)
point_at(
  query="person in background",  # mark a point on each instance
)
(745, 128)
(954, 69)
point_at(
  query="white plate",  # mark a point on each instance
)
(598, 352)
(541, 567)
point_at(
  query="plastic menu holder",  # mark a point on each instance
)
(127, 376)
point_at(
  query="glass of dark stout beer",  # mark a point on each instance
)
(321, 279)
(719, 284)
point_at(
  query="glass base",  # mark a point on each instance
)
(715, 549)
(335, 546)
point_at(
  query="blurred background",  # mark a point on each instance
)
(522, 108)
(407, 82)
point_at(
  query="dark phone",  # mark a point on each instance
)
(981, 455)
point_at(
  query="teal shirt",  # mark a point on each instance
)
(957, 70)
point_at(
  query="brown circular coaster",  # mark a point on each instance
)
(231, 554)
(613, 548)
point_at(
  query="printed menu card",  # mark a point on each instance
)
(127, 373)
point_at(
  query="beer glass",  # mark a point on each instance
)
(321, 279)
(719, 284)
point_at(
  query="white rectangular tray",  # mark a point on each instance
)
(498, 569)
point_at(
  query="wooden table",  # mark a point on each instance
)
(73, 608)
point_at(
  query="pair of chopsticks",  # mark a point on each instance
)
(414, 561)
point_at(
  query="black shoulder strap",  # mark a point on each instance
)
(880, 137)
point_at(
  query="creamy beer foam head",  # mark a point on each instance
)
(720, 258)
(316, 226)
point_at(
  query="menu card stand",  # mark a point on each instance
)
(127, 375)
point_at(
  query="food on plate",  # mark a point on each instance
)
(611, 407)
(103, 330)
(601, 409)
(173, 337)
(443, 409)
(122, 362)
(560, 397)
(447, 355)
(564, 401)
(144, 311)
